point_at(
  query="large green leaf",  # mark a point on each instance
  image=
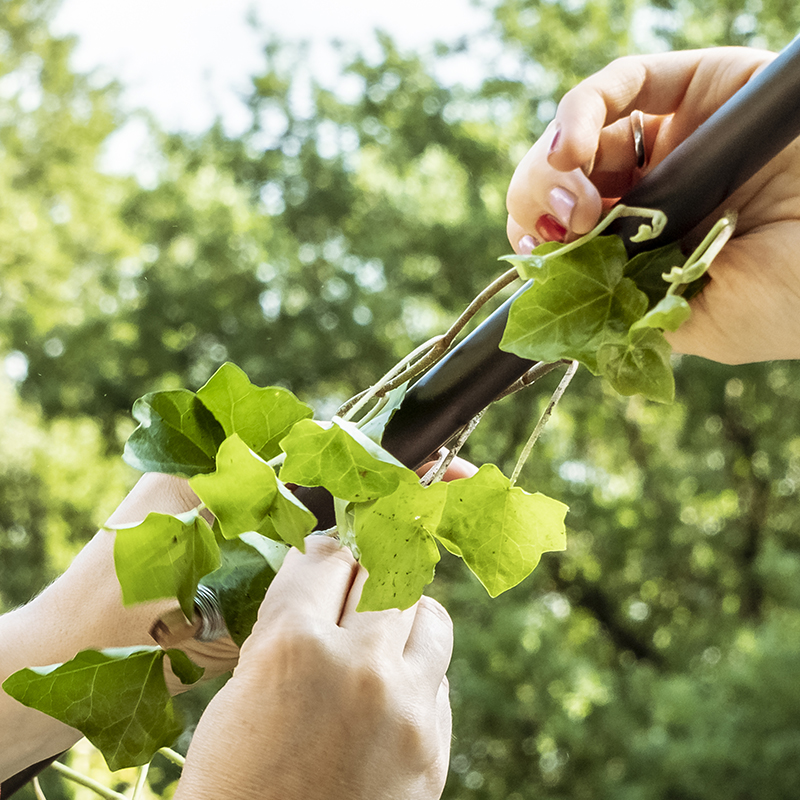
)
(261, 416)
(500, 531)
(646, 270)
(342, 459)
(583, 303)
(177, 434)
(165, 556)
(245, 495)
(394, 537)
(117, 699)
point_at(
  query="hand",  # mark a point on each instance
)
(328, 702)
(750, 310)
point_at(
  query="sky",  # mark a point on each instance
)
(189, 60)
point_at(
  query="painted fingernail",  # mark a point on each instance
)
(550, 229)
(555, 140)
(563, 204)
(526, 245)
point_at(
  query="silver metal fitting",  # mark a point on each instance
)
(212, 623)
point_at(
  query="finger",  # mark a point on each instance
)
(540, 195)
(311, 585)
(459, 468)
(692, 82)
(430, 644)
(444, 733)
(616, 167)
(390, 627)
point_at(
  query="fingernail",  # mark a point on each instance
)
(563, 204)
(550, 229)
(526, 245)
(555, 140)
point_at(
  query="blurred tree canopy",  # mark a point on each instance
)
(658, 656)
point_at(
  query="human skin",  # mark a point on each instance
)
(363, 707)
(750, 309)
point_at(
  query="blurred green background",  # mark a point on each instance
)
(658, 656)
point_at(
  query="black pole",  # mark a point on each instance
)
(759, 121)
(743, 135)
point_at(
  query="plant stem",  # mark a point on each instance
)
(427, 354)
(85, 780)
(349, 409)
(437, 471)
(537, 371)
(557, 394)
(37, 789)
(141, 780)
(171, 755)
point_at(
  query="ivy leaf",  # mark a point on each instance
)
(394, 536)
(584, 302)
(645, 270)
(244, 495)
(242, 580)
(117, 699)
(500, 531)
(668, 314)
(375, 427)
(342, 459)
(288, 519)
(261, 416)
(640, 365)
(165, 556)
(177, 434)
(184, 668)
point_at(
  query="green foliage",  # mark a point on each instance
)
(245, 495)
(248, 565)
(118, 698)
(581, 306)
(260, 417)
(395, 537)
(339, 457)
(177, 434)
(165, 556)
(500, 530)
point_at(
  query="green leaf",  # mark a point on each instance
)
(500, 531)
(117, 699)
(165, 556)
(177, 434)
(184, 668)
(242, 581)
(260, 416)
(288, 519)
(584, 302)
(375, 427)
(640, 365)
(668, 314)
(394, 536)
(646, 269)
(244, 495)
(342, 459)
